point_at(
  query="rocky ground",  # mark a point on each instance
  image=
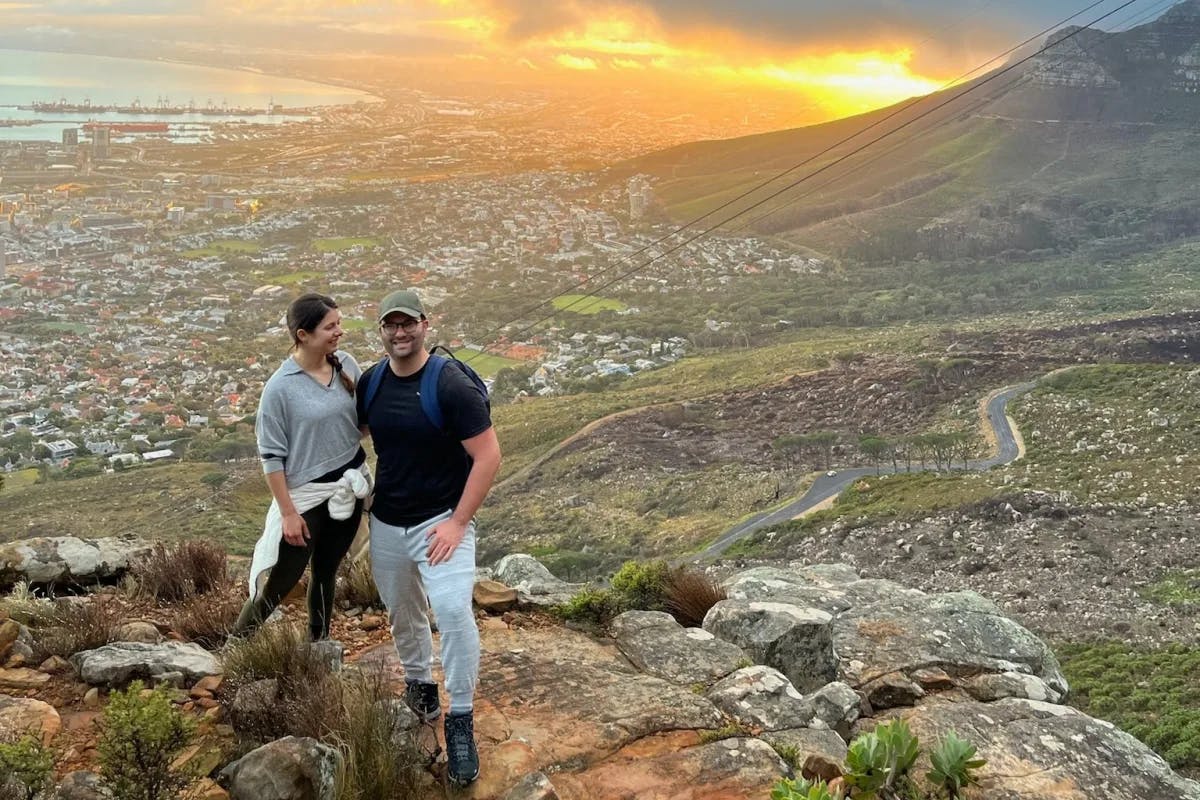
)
(1068, 573)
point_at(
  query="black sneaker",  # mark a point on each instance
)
(461, 754)
(422, 698)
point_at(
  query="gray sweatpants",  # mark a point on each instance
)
(405, 579)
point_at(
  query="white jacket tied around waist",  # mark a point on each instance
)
(341, 496)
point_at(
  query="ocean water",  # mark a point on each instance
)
(30, 76)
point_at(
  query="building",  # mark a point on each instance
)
(175, 215)
(101, 141)
(70, 138)
(220, 202)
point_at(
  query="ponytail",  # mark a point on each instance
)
(336, 363)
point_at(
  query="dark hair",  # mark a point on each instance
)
(305, 314)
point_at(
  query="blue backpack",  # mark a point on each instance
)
(428, 391)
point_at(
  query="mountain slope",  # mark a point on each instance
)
(1092, 141)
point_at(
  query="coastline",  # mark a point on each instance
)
(239, 68)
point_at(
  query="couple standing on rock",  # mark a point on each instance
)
(435, 467)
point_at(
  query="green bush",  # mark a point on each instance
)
(142, 733)
(800, 789)
(25, 768)
(595, 607)
(878, 766)
(954, 762)
(1152, 694)
(642, 585)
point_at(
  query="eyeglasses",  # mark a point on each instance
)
(408, 326)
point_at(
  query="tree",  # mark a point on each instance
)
(874, 448)
(214, 480)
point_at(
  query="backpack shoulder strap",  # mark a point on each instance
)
(373, 383)
(429, 390)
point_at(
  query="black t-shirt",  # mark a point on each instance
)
(421, 471)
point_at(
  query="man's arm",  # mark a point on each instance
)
(445, 537)
(484, 451)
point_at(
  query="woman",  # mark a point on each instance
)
(315, 466)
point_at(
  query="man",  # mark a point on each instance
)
(430, 482)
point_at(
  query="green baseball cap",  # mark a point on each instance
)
(404, 301)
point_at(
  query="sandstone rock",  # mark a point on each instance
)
(117, 664)
(22, 678)
(81, 785)
(807, 588)
(26, 715)
(991, 686)
(1036, 752)
(533, 582)
(54, 665)
(723, 770)
(819, 753)
(9, 631)
(836, 707)
(210, 683)
(535, 786)
(372, 622)
(91, 698)
(659, 645)
(65, 559)
(762, 697)
(288, 769)
(329, 653)
(137, 631)
(892, 690)
(573, 701)
(494, 597)
(796, 641)
(961, 632)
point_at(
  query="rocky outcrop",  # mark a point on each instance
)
(1039, 751)
(66, 559)
(660, 646)
(117, 664)
(891, 641)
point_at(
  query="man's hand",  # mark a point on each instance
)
(295, 530)
(444, 539)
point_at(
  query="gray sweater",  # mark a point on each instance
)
(304, 428)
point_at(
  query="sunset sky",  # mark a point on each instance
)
(844, 56)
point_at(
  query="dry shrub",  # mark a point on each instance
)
(279, 652)
(176, 572)
(209, 619)
(72, 625)
(356, 712)
(356, 586)
(378, 765)
(688, 594)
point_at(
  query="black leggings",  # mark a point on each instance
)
(329, 540)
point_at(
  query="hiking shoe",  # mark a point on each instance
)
(461, 754)
(422, 698)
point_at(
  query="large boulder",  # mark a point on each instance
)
(291, 768)
(659, 645)
(117, 664)
(67, 559)
(28, 716)
(960, 632)
(795, 640)
(535, 585)
(1039, 751)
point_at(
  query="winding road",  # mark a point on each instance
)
(830, 485)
